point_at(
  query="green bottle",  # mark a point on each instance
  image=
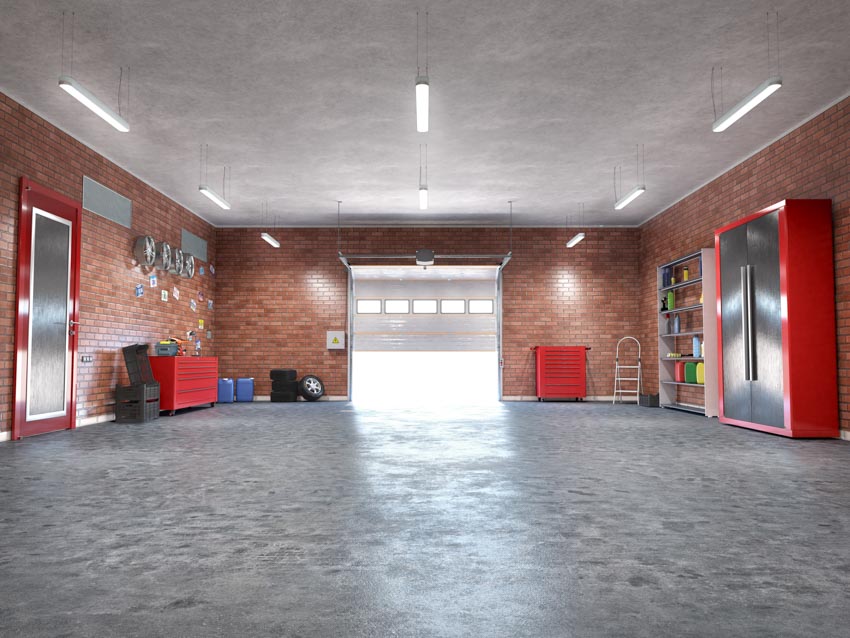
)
(671, 300)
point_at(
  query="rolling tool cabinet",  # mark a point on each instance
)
(561, 372)
(185, 382)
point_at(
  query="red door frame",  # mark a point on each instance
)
(34, 195)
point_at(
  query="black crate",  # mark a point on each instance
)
(136, 411)
(138, 365)
(137, 392)
(648, 400)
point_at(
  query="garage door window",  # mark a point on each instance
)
(452, 306)
(424, 306)
(397, 306)
(481, 306)
(368, 306)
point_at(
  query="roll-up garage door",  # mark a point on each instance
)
(412, 326)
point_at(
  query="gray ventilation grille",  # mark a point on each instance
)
(194, 245)
(107, 203)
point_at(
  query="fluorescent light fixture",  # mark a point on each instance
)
(424, 257)
(218, 199)
(759, 95)
(79, 92)
(423, 198)
(270, 240)
(422, 88)
(629, 197)
(578, 237)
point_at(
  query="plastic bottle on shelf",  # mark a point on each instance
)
(685, 274)
(702, 349)
(671, 300)
(677, 324)
(696, 347)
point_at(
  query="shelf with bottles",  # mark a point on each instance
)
(686, 294)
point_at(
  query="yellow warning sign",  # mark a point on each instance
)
(335, 340)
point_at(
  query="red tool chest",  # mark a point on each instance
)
(185, 381)
(561, 372)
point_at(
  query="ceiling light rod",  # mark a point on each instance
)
(80, 93)
(638, 190)
(266, 236)
(422, 81)
(578, 236)
(423, 186)
(204, 185)
(756, 97)
(88, 99)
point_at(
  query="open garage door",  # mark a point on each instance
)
(425, 336)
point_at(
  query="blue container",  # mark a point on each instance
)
(245, 389)
(225, 390)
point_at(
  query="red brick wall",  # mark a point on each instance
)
(110, 314)
(813, 161)
(275, 305)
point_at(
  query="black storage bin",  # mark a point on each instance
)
(136, 411)
(283, 374)
(137, 403)
(138, 364)
(648, 400)
(137, 392)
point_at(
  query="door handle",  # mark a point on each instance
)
(745, 320)
(73, 323)
(751, 348)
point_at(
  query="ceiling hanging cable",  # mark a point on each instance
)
(80, 93)
(580, 235)
(267, 220)
(638, 190)
(757, 95)
(422, 81)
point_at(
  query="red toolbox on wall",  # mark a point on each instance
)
(561, 372)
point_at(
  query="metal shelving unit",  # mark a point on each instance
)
(707, 329)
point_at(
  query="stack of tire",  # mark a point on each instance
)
(286, 387)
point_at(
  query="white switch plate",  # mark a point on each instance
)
(336, 339)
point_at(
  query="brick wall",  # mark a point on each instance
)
(812, 161)
(275, 305)
(110, 314)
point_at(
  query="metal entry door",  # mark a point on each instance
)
(47, 311)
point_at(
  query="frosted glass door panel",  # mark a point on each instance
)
(50, 271)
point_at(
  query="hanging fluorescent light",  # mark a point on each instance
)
(759, 95)
(575, 240)
(423, 184)
(271, 240)
(423, 198)
(629, 197)
(84, 96)
(218, 199)
(422, 88)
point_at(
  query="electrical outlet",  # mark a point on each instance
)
(87, 358)
(209, 334)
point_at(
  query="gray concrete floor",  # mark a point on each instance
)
(555, 519)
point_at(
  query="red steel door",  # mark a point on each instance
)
(48, 292)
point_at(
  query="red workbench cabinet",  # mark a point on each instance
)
(561, 372)
(185, 382)
(777, 364)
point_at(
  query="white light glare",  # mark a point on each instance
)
(578, 237)
(629, 197)
(759, 95)
(83, 95)
(422, 88)
(218, 199)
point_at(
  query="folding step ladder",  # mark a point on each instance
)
(632, 373)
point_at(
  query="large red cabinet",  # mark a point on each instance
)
(777, 363)
(185, 381)
(561, 372)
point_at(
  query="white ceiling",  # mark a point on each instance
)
(534, 101)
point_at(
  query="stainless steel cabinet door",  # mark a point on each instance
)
(733, 262)
(766, 372)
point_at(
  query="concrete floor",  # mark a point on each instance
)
(517, 520)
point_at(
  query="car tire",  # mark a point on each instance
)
(311, 387)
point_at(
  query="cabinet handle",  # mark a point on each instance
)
(745, 323)
(751, 348)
